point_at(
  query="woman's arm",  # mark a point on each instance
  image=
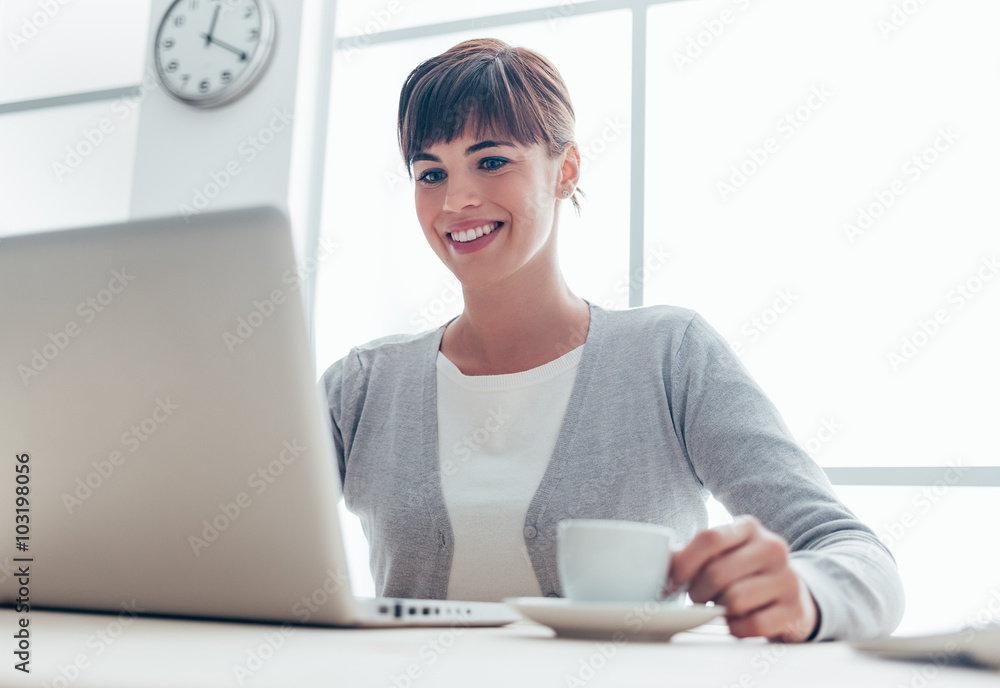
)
(741, 450)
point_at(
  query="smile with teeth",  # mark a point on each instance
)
(475, 232)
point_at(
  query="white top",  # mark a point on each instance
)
(496, 434)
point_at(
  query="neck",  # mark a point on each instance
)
(528, 319)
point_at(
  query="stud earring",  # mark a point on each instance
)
(565, 192)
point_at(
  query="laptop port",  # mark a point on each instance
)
(399, 610)
(383, 609)
(427, 610)
(413, 610)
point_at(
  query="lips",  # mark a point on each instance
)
(477, 244)
(474, 231)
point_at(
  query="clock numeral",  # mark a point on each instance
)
(204, 86)
(185, 78)
(227, 76)
(168, 43)
(194, 4)
(254, 35)
(172, 66)
(179, 20)
(249, 12)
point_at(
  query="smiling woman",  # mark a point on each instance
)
(462, 448)
(521, 98)
(487, 130)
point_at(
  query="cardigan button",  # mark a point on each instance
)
(530, 532)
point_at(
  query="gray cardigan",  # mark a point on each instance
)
(662, 413)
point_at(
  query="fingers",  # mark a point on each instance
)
(757, 556)
(779, 622)
(707, 545)
(778, 606)
(764, 622)
(746, 567)
(758, 592)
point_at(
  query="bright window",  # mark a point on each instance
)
(878, 344)
(68, 164)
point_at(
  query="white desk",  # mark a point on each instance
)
(167, 652)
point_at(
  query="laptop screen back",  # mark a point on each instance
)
(157, 380)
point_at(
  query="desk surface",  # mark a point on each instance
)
(83, 650)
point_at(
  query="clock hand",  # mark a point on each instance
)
(243, 55)
(215, 17)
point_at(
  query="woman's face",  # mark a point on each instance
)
(469, 183)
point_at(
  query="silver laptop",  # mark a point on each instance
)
(165, 445)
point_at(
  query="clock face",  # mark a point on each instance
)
(209, 52)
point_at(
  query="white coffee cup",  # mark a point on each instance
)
(613, 561)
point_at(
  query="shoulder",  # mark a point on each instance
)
(658, 316)
(389, 354)
(663, 337)
(662, 325)
(394, 344)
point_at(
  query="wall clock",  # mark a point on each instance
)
(210, 52)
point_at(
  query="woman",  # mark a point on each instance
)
(461, 448)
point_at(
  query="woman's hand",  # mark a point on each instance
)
(745, 567)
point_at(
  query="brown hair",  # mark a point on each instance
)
(498, 89)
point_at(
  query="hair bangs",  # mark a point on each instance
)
(482, 99)
(485, 89)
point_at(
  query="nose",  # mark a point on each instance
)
(460, 193)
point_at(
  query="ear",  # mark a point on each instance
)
(569, 171)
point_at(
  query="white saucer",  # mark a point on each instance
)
(613, 620)
(981, 646)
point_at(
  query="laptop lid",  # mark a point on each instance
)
(158, 407)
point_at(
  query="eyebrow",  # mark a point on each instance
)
(468, 151)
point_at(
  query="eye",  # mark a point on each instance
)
(490, 164)
(486, 163)
(424, 176)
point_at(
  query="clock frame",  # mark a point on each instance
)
(212, 83)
